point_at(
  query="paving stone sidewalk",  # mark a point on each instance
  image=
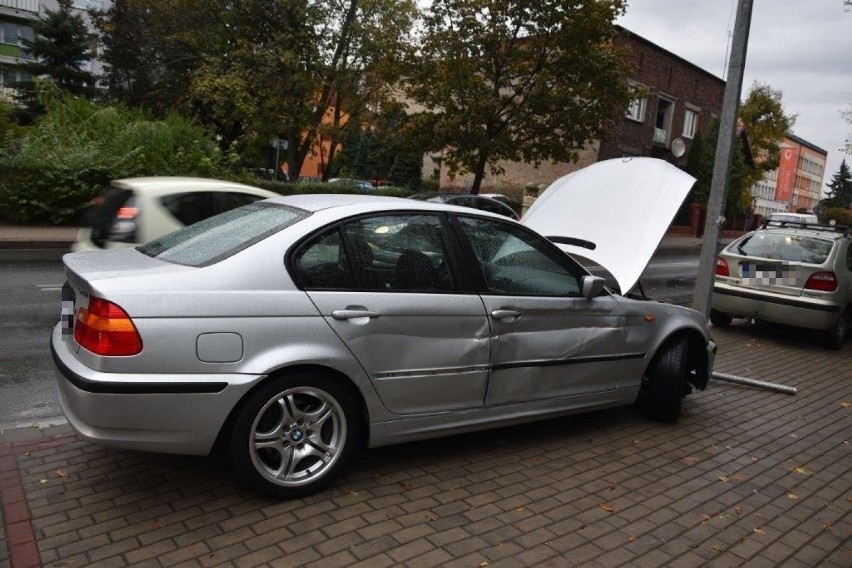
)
(747, 477)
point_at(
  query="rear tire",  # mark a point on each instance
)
(662, 391)
(720, 319)
(294, 433)
(836, 336)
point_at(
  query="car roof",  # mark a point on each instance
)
(158, 185)
(360, 203)
(833, 232)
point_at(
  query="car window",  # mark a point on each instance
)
(493, 206)
(789, 247)
(219, 237)
(516, 262)
(227, 200)
(323, 264)
(849, 257)
(384, 253)
(190, 207)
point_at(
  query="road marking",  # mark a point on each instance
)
(49, 287)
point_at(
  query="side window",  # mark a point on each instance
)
(231, 200)
(493, 206)
(515, 262)
(323, 265)
(849, 257)
(400, 253)
(189, 208)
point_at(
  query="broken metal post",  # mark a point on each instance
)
(754, 383)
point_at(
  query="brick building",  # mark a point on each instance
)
(675, 99)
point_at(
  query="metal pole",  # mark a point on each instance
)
(754, 383)
(722, 165)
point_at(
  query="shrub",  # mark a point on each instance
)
(838, 214)
(73, 151)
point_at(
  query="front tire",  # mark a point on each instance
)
(293, 434)
(662, 391)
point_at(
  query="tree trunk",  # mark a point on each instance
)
(479, 172)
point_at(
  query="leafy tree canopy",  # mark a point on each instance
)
(259, 69)
(529, 80)
(766, 123)
(700, 163)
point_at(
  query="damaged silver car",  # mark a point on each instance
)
(292, 330)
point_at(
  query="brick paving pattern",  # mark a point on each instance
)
(747, 477)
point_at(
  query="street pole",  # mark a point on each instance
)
(722, 166)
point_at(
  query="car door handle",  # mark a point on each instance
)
(505, 314)
(353, 314)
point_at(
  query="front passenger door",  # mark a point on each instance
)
(547, 340)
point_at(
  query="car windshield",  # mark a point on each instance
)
(219, 237)
(785, 246)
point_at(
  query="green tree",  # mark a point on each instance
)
(60, 46)
(389, 149)
(259, 69)
(77, 146)
(700, 164)
(529, 80)
(762, 114)
(839, 193)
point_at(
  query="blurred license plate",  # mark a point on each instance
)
(776, 273)
(67, 313)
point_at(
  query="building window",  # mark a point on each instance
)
(663, 122)
(636, 110)
(690, 119)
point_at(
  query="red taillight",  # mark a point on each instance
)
(722, 267)
(105, 329)
(822, 281)
(127, 213)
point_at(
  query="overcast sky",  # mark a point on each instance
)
(802, 47)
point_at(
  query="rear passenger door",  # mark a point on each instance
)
(388, 286)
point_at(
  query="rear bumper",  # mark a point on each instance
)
(179, 414)
(810, 313)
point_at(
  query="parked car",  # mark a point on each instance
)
(467, 200)
(498, 197)
(137, 210)
(294, 329)
(791, 273)
(794, 217)
(359, 184)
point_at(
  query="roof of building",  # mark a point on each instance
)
(805, 143)
(650, 43)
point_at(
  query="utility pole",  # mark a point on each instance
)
(722, 166)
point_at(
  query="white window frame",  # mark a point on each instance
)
(690, 122)
(636, 109)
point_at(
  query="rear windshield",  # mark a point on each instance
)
(785, 246)
(219, 237)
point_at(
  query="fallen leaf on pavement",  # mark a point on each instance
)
(724, 478)
(802, 471)
(759, 530)
(61, 473)
(846, 404)
(607, 507)
(690, 459)
(631, 538)
(826, 527)
(28, 454)
(612, 486)
(406, 486)
(792, 496)
(42, 481)
(705, 519)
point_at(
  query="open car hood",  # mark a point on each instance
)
(613, 212)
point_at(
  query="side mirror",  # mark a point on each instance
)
(591, 286)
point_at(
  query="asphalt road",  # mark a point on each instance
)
(28, 311)
(31, 281)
